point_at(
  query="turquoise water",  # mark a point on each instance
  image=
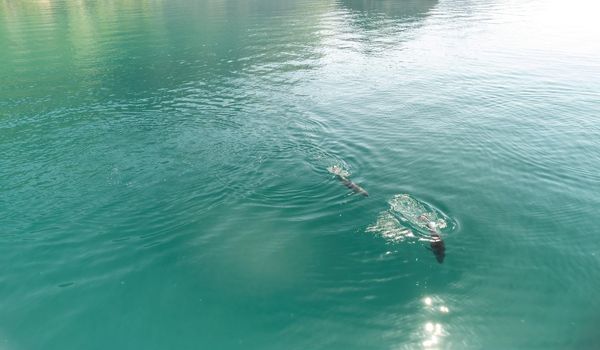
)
(164, 183)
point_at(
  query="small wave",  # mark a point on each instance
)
(390, 228)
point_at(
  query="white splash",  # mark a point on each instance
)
(408, 217)
(416, 213)
(338, 170)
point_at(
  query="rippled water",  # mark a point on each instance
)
(164, 183)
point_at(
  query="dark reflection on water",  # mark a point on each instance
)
(391, 8)
(375, 26)
(148, 46)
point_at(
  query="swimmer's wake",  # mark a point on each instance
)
(408, 217)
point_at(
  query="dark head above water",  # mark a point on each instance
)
(354, 187)
(343, 176)
(438, 247)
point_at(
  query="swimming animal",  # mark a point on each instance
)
(408, 218)
(342, 175)
(436, 242)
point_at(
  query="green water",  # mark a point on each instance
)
(164, 183)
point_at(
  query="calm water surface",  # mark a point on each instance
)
(163, 179)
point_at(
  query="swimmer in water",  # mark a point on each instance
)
(437, 244)
(342, 175)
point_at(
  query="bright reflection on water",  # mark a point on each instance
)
(164, 183)
(434, 332)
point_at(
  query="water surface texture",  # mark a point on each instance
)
(164, 183)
